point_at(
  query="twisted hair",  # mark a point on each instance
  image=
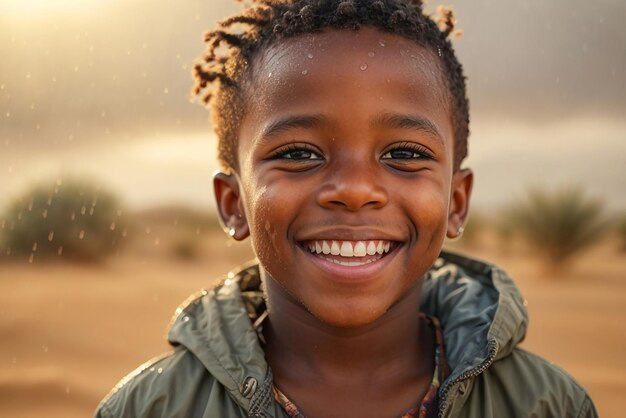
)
(221, 73)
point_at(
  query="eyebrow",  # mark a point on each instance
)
(403, 121)
(292, 122)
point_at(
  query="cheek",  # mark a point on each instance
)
(264, 215)
(430, 213)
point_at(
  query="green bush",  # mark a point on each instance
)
(74, 219)
(186, 248)
(558, 224)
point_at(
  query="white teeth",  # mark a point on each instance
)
(349, 248)
(359, 249)
(346, 249)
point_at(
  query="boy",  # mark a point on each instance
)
(342, 126)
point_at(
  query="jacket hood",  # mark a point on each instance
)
(482, 313)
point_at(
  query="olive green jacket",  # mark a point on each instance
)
(218, 368)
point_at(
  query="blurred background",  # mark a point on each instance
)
(106, 208)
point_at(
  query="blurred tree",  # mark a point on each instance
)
(74, 219)
(558, 224)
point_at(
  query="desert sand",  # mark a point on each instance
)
(70, 332)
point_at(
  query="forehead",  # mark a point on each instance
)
(367, 68)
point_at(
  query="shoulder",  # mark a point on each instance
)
(174, 384)
(526, 385)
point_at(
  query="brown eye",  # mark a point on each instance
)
(401, 154)
(412, 152)
(299, 154)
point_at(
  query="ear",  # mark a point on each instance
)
(462, 181)
(230, 205)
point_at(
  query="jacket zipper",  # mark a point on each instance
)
(493, 349)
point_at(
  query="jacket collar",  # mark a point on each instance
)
(482, 313)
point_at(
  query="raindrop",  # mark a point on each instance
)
(148, 230)
(157, 241)
(269, 75)
(8, 251)
(27, 75)
(160, 370)
(45, 348)
(310, 56)
(197, 231)
(31, 258)
(439, 52)
(371, 54)
(49, 200)
(51, 236)
(165, 90)
(67, 390)
(19, 215)
(59, 182)
(34, 247)
(363, 67)
(185, 318)
(30, 206)
(45, 213)
(73, 216)
(124, 233)
(83, 210)
(8, 114)
(112, 226)
(305, 72)
(76, 69)
(119, 212)
(4, 222)
(60, 250)
(1, 86)
(81, 234)
(381, 42)
(91, 210)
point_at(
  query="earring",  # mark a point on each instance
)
(459, 233)
(231, 232)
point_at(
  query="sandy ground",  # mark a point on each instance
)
(70, 332)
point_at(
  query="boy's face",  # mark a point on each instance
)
(346, 145)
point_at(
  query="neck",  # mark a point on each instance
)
(301, 346)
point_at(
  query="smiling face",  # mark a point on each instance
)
(345, 179)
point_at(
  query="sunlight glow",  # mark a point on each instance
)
(25, 8)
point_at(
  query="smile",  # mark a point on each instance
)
(350, 253)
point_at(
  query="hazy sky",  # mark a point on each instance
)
(101, 88)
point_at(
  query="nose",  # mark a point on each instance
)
(353, 186)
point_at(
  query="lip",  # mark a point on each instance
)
(343, 274)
